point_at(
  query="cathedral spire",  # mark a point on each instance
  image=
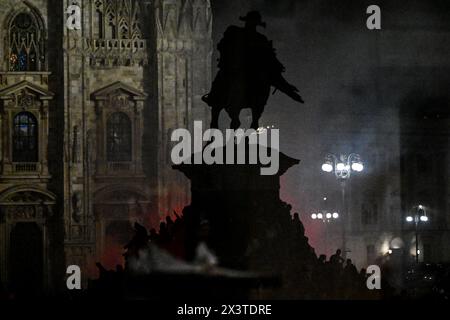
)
(185, 22)
(202, 16)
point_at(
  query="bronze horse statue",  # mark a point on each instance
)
(248, 68)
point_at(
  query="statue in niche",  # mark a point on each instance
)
(25, 100)
(75, 145)
(90, 151)
(77, 210)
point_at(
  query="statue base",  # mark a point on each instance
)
(239, 214)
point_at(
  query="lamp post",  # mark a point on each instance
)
(419, 216)
(343, 167)
(326, 218)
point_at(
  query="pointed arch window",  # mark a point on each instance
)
(25, 138)
(118, 19)
(26, 43)
(119, 138)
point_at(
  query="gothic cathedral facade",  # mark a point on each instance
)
(85, 119)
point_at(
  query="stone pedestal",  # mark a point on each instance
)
(239, 213)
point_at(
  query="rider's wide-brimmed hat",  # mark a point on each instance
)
(255, 18)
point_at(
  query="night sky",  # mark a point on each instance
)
(335, 60)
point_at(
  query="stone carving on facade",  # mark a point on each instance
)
(26, 212)
(119, 19)
(110, 52)
(119, 41)
(90, 149)
(27, 205)
(25, 99)
(75, 145)
(119, 101)
(90, 228)
(77, 232)
(23, 197)
(194, 17)
(21, 213)
(77, 207)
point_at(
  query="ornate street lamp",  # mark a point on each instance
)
(419, 216)
(326, 218)
(343, 167)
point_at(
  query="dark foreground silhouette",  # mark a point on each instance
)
(331, 279)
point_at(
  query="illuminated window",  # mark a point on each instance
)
(119, 138)
(25, 138)
(26, 49)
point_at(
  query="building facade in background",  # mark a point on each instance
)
(86, 118)
(398, 120)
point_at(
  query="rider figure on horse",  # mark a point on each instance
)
(248, 68)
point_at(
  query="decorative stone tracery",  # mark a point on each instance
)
(119, 98)
(118, 19)
(26, 42)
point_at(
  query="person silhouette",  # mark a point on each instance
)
(322, 259)
(138, 242)
(350, 268)
(300, 229)
(336, 258)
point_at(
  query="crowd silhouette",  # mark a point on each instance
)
(334, 278)
(339, 279)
